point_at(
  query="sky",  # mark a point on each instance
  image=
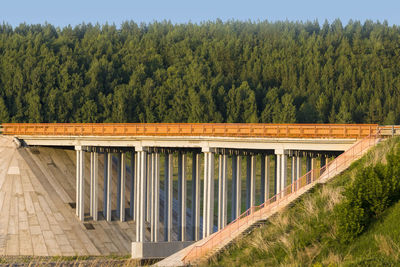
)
(74, 12)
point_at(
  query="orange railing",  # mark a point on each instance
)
(354, 131)
(262, 211)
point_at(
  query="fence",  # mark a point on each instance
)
(262, 211)
(354, 131)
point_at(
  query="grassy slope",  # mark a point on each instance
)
(305, 233)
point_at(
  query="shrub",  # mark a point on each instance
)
(373, 190)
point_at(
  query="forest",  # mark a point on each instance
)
(215, 71)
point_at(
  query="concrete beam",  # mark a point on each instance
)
(193, 142)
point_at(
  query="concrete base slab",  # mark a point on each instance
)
(157, 250)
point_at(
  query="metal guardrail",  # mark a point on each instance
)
(353, 131)
(256, 213)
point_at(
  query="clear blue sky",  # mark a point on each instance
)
(62, 13)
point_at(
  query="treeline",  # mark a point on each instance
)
(210, 72)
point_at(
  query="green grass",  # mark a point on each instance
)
(305, 234)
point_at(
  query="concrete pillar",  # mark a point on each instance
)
(148, 188)
(265, 173)
(196, 196)
(250, 181)
(308, 169)
(77, 182)
(278, 171)
(132, 183)
(91, 185)
(322, 164)
(181, 197)
(281, 169)
(208, 205)
(298, 168)
(140, 193)
(236, 186)
(294, 169)
(119, 170)
(94, 185)
(155, 196)
(313, 167)
(276, 174)
(122, 188)
(109, 186)
(222, 191)
(80, 200)
(105, 184)
(168, 172)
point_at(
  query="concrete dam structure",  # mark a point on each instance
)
(154, 189)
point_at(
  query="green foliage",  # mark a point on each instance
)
(210, 72)
(373, 190)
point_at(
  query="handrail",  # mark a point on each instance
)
(353, 131)
(256, 213)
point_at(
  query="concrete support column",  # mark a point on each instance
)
(140, 195)
(250, 181)
(109, 187)
(308, 169)
(122, 188)
(208, 205)
(282, 169)
(155, 197)
(77, 182)
(119, 171)
(181, 197)
(168, 172)
(222, 191)
(313, 167)
(148, 188)
(298, 168)
(294, 169)
(278, 172)
(276, 163)
(132, 183)
(322, 163)
(196, 196)
(94, 156)
(265, 173)
(236, 186)
(80, 182)
(105, 184)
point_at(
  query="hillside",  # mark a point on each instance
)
(307, 232)
(209, 72)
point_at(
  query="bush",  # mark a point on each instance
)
(373, 190)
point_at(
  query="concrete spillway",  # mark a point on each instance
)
(37, 215)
